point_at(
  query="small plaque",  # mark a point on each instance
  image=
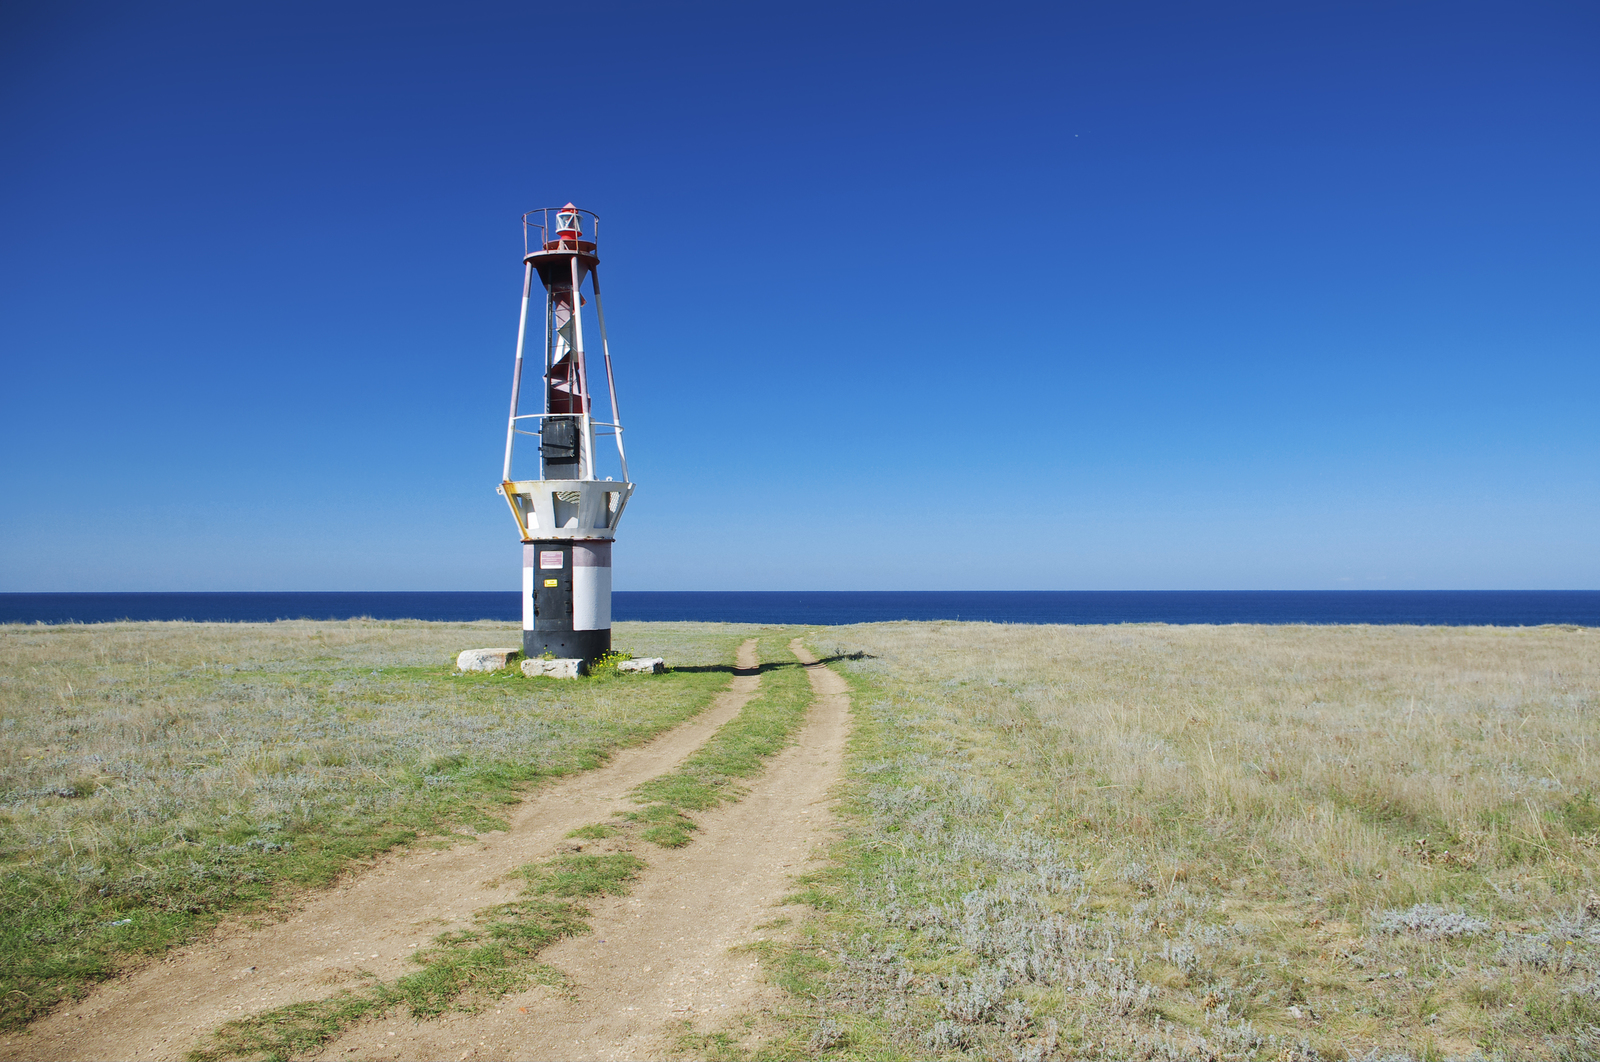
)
(552, 582)
(550, 558)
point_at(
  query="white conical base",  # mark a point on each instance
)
(566, 508)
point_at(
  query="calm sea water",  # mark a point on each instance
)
(1504, 608)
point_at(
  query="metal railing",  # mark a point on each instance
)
(540, 221)
(589, 424)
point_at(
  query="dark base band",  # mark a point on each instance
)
(567, 645)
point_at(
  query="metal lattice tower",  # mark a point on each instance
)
(568, 515)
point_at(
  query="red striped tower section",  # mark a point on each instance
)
(567, 515)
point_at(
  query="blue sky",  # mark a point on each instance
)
(1054, 296)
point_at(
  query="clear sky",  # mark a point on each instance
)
(1055, 296)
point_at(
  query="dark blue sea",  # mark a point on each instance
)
(1501, 608)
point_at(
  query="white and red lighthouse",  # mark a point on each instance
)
(567, 514)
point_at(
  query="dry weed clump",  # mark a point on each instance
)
(155, 774)
(1229, 842)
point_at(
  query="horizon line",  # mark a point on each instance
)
(1208, 590)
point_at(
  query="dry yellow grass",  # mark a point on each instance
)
(1235, 841)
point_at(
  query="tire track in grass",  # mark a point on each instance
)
(669, 952)
(365, 930)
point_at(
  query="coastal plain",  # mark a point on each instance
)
(1046, 841)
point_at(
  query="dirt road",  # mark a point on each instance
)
(368, 924)
(664, 953)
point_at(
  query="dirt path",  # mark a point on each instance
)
(368, 923)
(662, 954)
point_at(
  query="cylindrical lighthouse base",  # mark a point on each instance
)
(567, 645)
(566, 598)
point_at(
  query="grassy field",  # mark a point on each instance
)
(1209, 842)
(1075, 842)
(155, 775)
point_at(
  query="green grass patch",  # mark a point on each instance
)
(595, 831)
(585, 875)
(294, 1029)
(663, 825)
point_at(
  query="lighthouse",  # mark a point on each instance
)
(567, 513)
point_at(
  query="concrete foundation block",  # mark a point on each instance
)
(486, 659)
(643, 665)
(537, 666)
